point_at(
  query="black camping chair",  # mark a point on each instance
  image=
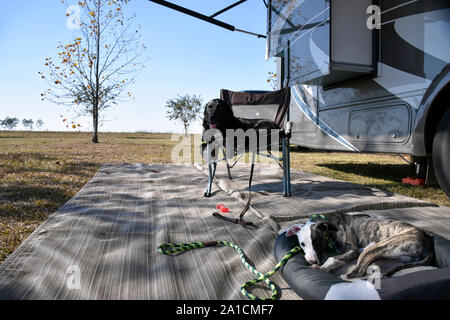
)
(271, 105)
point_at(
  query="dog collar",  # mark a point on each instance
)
(316, 217)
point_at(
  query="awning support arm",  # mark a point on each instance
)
(250, 33)
(227, 8)
(204, 17)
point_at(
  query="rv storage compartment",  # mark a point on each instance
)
(323, 42)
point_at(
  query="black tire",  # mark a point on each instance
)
(441, 153)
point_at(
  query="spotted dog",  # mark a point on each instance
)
(381, 239)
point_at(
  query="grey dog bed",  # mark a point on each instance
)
(315, 284)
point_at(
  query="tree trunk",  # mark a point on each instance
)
(97, 79)
(95, 123)
(185, 130)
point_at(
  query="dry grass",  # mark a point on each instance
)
(381, 171)
(40, 171)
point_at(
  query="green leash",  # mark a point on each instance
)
(171, 248)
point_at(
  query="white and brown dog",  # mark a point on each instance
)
(381, 239)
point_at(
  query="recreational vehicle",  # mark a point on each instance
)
(367, 76)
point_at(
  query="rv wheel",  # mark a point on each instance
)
(441, 153)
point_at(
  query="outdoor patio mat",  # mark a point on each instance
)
(107, 235)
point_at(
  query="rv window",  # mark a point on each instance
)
(322, 41)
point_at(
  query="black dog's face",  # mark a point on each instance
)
(217, 114)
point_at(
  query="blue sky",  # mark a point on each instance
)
(186, 55)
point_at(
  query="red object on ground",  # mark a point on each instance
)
(413, 181)
(224, 209)
(220, 206)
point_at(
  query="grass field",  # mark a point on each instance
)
(40, 171)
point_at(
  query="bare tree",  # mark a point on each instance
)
(92, 72)
(186, 109)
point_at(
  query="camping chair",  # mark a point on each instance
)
(271, 105)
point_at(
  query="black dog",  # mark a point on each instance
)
(218, 115)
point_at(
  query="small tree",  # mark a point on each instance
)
(9, 123)
(92, 72)
(39, 123)
(28, 123)
(186, 109)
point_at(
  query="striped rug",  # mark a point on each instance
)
(102, 244)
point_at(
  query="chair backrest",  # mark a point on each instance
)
(271, 105)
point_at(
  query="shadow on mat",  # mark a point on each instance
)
(319, 189)
(390, 172)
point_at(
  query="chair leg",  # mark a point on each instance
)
(229, 172)
(288, 168)
(228, 165)
(283, 150)
(208, 187)
(211, 174)
(251, 171)
(214, 170)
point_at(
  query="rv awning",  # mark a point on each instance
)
(209, 18)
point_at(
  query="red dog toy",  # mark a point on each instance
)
(413, 181)
(222, 208)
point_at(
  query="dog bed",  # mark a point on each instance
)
(415, 283)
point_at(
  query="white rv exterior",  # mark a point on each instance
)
(367, 76)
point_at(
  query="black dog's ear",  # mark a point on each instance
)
(205, 119)
(226, 114)
(325, 227)
(228, 109)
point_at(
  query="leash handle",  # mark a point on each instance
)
(171, 248)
